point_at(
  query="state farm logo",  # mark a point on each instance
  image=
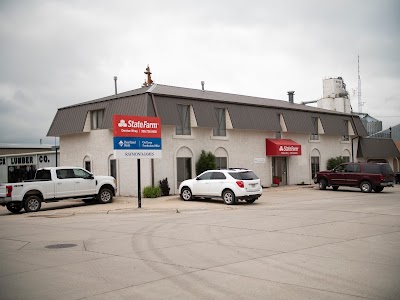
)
(288, 148)
(122, 123)
(138, 124)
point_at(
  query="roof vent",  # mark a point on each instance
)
(202, 86)
(291, 94)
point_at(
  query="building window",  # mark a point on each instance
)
(346, 159)
(184, 169)
(221, 162)
(88, 165)
(314, 135)
(97, 118)
(184, 115)
(221, 122)
(278, 135)
(113, 168)
(314, 165)
(345, 137)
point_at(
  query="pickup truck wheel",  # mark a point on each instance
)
(186, 194)
(229, 197)
(32, 203)
(378, 189)
(365, 187)
(335, 187)
(14, 207)
(104, 196)
(322, 184)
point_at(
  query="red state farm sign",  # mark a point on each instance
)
(282, 147)
(137, 126)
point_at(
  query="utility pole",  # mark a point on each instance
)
(360, 103)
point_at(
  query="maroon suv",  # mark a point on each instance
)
(366, 176)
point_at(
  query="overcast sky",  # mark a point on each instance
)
(57, 53)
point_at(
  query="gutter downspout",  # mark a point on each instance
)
(152, 160)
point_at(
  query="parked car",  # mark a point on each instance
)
(231, 185)
(366, 176)
(54, 184)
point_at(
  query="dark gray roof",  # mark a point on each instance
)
(377, 148)
(246, 112)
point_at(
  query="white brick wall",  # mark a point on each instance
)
(242, 146)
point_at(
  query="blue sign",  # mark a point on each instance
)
(136, 143)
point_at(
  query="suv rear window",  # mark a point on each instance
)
(386, 169)
(372, 169)
(247, 175)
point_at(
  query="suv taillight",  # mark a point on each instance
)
(9, 190)
(240, 183)
(382, 178)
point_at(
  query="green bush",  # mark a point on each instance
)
(151, 192)
(205, 162)
(334, 161)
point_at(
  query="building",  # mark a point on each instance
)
(371, 124)
(19, 162)
(335, 96)
(272, 137)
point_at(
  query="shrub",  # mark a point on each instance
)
(334, 161)
(205, 162)
(164, 187)
(151, 192)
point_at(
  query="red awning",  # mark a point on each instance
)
(282, 147)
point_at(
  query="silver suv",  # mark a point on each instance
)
(231, 185)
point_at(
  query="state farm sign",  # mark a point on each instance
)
(137, 126)
(288, 150)
(137, 137)
(282, 147)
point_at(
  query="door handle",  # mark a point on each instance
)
(59, 183)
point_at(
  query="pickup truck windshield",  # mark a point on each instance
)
(43, 175)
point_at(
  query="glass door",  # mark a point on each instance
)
(279, 169)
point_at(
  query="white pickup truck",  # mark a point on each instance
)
(53, 184)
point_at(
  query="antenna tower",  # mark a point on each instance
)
(360, 103)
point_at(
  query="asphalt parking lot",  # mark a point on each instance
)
(295, 242)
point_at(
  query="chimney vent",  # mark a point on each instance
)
(115, 84)
(202, 86)
(291, 94)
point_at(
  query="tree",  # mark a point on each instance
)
(334, 161)
(205, 162)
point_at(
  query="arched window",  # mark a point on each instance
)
(346, 155)
(184, 158)
(221, 158)
(112, 166)
(315, 162)
(87, 163)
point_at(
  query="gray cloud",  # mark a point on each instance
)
(57, 53)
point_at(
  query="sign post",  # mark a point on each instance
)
(137, 137)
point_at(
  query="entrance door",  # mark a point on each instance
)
(279, 169)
